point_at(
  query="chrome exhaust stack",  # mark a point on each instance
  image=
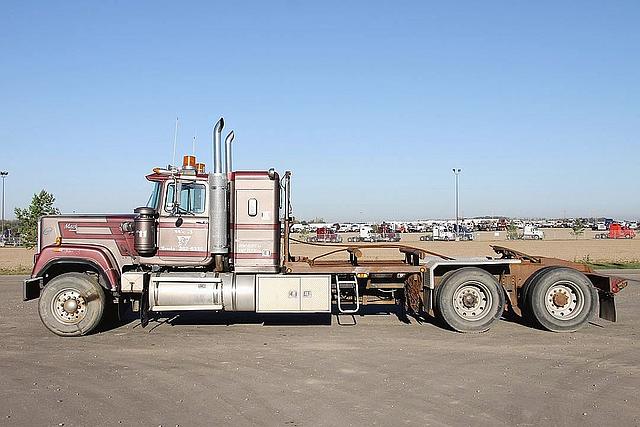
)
(218, 214)
(227, 152)
(217, 146)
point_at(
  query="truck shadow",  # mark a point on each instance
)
(250, 318)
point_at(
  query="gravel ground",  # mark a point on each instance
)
(207, 370)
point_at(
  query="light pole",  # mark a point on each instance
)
(3, 174)
(456, 172)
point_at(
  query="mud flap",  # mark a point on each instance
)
(144, 302)
(31, 288)
(607, 306)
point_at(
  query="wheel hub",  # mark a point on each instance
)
(560, 299)
(69, 306)
(472, 301)
(564, 300)
(469, 300)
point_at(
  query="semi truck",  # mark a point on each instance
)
(219, 241)
(325, 235)
(381, 233)
(617, 231)
(447, 234)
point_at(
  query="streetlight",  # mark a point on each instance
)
(456, 172)
(3, 174)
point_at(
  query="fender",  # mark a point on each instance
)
(94, 256)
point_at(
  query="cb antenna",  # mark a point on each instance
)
(195, 136)
(175, 141)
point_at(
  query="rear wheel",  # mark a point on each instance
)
(470, 300)
(562, 300)
(72, 304)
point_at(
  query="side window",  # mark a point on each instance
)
(192, 198)
(253, 207)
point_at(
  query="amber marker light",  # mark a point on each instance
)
(189, 162)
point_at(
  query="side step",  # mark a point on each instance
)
(349, 283)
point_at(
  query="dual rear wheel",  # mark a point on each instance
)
(559, 299)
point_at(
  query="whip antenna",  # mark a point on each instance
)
(175, 141)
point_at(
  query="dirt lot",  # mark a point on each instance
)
(207, 370)
(559, 244)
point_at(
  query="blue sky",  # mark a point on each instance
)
(370, 104)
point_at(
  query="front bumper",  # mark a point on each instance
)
(31, 288)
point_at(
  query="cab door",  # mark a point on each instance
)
(183, 231)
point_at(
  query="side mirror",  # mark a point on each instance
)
(177, 189)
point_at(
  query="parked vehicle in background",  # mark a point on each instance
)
(599, 226)
(530, 232)
(465, 234)
(325, 235)
(447, 234)
(440, 233)
(368, 234)
(343, 228)
(617, 231)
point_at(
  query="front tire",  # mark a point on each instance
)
(470, 300)
(562, 300)
(72, 304)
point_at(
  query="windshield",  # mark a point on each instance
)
(155, 196)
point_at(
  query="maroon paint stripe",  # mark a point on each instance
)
(182, 254)
(256, 226)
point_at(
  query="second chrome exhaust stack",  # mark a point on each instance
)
(227, 151)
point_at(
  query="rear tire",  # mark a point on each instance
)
(470, 300)
(562, 300)
(72, 304)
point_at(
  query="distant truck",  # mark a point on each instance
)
(617, 231)
(530, 232)
(443, 233)
(367, 234)
(325, 235)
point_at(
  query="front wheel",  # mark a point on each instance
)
(72, 304)
(562, 300)
(470, 300)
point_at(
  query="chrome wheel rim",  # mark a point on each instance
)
(564, 300)
(68, 306)
(472, 301)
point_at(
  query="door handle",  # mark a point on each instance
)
(202, 222)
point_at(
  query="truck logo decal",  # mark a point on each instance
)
(183, 241)
(70, 226)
